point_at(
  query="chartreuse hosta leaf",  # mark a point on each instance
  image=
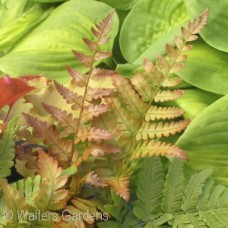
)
(13, 9)
(216, 31)
(206, 68)
(49, 1)
(194, 101)
(7, 153)
(47, 49)
(13, 31)
(149, 25)
(206, 140)
(122, 5)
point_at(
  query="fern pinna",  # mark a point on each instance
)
(100, 124)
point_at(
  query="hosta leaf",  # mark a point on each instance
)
(13, 31)
(205, 67)
(122, 5)
(216, 31)
(194, 101)
(157, 23)
(205, 140)
(47, 49)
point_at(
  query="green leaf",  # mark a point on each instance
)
(122, 5)
(174, 187)
(7, 145)
(28, 188)
(69, 171)
(13, 9)
(149, 189)
(47, 49)
(206, 68)
(49, 1)
(16, 29)
(194, 101)
(149, 25)
(205, 140)
(194, 190)
(215, 32)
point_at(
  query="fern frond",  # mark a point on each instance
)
(81, 206)
(179, 202)
(160, 129)
(171, 82)
(194, 190)
(93, 179)
(124, 123)
(142, 86)
(28, 188)
(26, 161)
(63, 117)
(156, 148)
(93, 135)
(78, 78)
(91, 111)
(168, 95)
(14, 203)
(98, 150)
(99, 73)
(69, 96)
(96, 93)
(7, 149)
(133, 102)
(158, 113)
(120, 184)
(51, 195)
(173, 188)
(150, 185)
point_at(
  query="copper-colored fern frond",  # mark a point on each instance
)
(160, 129)
(157, 148)
(157, 113)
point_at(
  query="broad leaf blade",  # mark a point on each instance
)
(205, 140)
(47, 49)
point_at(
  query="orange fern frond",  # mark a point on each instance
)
(120, 184)
(93, 135)
(63, 117)
(157, 148)
(52, 195)
(152, 130)
(168, 95)
(69, 96)
(91, 111)
(157, 113)
(171, 82)
(133, 102)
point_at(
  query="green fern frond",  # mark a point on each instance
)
(195, 202)
(7, 149)
(150, 185)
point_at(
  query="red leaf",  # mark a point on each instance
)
(12, 89)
